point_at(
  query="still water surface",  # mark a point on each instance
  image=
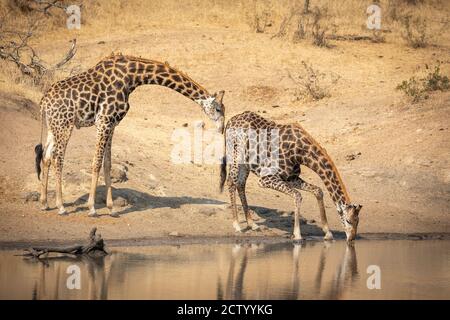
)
(315, 270)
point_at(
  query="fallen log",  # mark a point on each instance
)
(94, 247)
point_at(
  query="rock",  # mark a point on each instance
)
(303, 220)
(31, 196)
(287, 213)
(185, 124)
(207, 211)
(352, 156)
(174, 234)
(120, 202)
(152, 185)
(119, 173)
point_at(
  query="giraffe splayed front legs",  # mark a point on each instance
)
(99, 96)
(295, 147)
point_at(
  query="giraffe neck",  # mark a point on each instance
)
(139, 71)
(318, 160)
(330, 176)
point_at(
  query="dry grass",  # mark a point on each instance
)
(312, 83)
(119, 17)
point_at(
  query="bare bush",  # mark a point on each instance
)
(414, 31)
(262, 21)
(309, 23)
(16, 48)
(313, 84)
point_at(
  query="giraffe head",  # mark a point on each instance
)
(214, 109)
(349, 214)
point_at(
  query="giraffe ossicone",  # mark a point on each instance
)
(99, 96)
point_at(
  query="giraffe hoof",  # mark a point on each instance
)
(328, 236)
(236, 227)
(255, 227)
(92, 213)
(62, 212)
(44, 207)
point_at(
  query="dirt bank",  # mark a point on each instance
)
(393, 155)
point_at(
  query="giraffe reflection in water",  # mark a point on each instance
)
(233, 288)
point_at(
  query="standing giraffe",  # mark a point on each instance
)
(295, 147)
(99, 96)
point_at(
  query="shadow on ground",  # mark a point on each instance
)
(130, 200)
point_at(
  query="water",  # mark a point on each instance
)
(315, 270)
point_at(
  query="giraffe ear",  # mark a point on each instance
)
(219, 96)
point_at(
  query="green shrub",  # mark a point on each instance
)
(419, 89)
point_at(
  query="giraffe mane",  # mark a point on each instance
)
(327, 156)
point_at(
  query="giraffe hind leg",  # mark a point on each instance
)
(242, 179)
(46, 161)
(58, 161)
(232, 183)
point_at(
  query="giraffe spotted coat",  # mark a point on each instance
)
(99, 96)
(293, 148)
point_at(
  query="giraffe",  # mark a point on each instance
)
(99, 96)
(294, 147)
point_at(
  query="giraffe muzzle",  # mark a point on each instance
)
(220, 124)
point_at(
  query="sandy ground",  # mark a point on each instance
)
(401, 173)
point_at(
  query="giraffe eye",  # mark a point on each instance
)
(348, 221)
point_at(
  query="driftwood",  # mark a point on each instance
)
(349, 37)
(94, 247)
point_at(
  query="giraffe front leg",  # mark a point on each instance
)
(278, 184)
(103, 134)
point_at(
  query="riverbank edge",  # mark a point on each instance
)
(190, 240)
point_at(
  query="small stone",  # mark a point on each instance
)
(185, 124)
(120, 202)
(31, 196)
(207, 211)
(152, 185)
(119, 173)
(174, 234)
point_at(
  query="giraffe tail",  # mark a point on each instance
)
(39, 150)
(223, 172)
